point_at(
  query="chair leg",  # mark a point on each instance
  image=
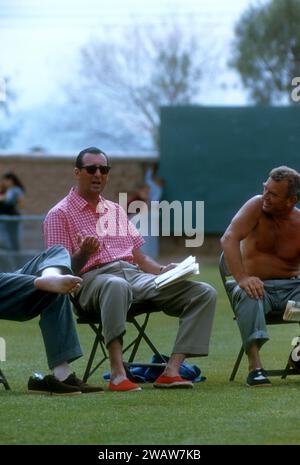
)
(237, 364)
(144, 336)
(98, 341)
(4, 381)
(286, 371)
(137, 341)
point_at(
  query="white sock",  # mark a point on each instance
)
(61, 372)
(118, 379)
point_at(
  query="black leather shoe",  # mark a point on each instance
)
(49, 385)
(258, 378)
(85, 388)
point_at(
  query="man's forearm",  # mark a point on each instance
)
(233, 258)
(78, 260)
(148, 265)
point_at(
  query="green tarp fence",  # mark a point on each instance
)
(221, 155)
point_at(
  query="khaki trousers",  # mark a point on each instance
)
(112, 288)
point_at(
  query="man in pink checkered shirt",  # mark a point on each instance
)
(105, 251)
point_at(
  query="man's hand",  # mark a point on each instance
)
(168, 267)
(253, 286)
(88, 244)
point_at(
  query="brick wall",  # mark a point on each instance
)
(48, 179)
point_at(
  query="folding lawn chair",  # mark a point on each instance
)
(93, 321)
(272, 318)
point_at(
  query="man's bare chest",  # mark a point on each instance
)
(281, 240)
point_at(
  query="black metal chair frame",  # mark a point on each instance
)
(272, 318)
(4, 381)
(93, 320)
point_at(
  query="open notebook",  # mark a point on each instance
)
(183, 270)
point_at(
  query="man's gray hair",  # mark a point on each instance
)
(292, 176)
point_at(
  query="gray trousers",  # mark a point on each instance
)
(20, 300)
(112, 288)
(250, 313)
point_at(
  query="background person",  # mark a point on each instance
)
(155, 189)
(140, 194)
(11, 202)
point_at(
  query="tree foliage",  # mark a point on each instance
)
(266, 50)
(142, 71)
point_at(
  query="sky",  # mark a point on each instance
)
(40, 40)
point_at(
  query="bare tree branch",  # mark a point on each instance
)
(138, 74)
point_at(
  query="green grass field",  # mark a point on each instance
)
(214, 412)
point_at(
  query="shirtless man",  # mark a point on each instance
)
(262, 250)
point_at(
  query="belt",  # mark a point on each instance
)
(101, 265)
(96, 267)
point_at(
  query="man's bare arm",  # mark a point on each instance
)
(240, 227)
(148, 265)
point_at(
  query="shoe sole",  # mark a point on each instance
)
(47, 393)
(174, 385)
(93, 392)
(259, 385)
(125, 390)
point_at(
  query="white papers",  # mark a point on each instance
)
(292, 311)
(183, 270)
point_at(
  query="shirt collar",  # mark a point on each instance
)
(81, 203)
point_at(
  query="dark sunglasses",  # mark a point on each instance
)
(91, 169)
